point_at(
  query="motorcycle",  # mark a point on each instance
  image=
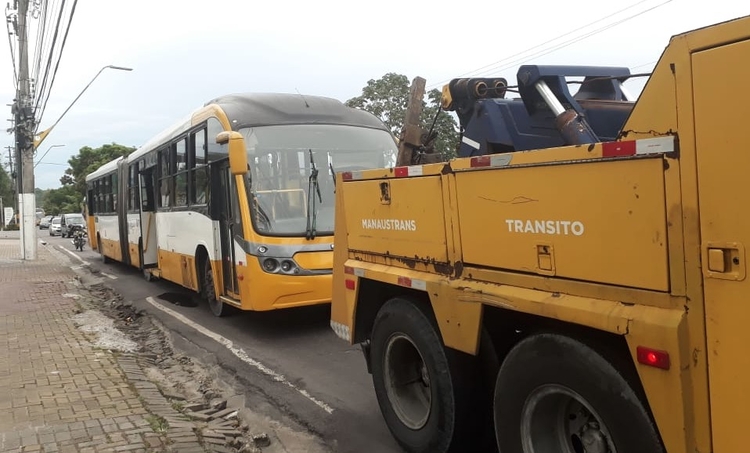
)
(79, 237)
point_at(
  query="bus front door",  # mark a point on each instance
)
(149, 255)
(229, 225)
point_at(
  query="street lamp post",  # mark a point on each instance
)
(27, 198)
(45, 153)
(42, 135)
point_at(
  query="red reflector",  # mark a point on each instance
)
(401, 172)
(480, 161)
(653, 357)
(348, 270)
(346, 176)
(404, 281)
(618, 149)
(349, 284)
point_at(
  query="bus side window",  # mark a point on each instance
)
(198, 169)
(147, 194)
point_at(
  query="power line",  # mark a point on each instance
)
(551, 40)
(572, 41)
(643, 65)
(46, 48)
(494, 66)
(40, 41)
(59, 58)
(12, 49)
(40, 92)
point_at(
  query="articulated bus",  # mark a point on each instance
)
(236, 201)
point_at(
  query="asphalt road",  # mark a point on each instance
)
(294, 369)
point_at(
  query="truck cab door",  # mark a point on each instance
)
(722, 103)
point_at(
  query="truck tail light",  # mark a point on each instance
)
(653, 357)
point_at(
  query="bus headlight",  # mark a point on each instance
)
(279, 265)
(270, 265)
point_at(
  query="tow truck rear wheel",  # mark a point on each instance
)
(422, 388)
(554, 393)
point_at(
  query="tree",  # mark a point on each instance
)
(88, 160)
(63, 200)
(387, 98)
(6, 187)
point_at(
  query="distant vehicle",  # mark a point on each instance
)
(39, 215)
(54, 226)
(45, 222)
(67, 221)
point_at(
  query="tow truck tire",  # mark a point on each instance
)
(554, 393)
(434, 412)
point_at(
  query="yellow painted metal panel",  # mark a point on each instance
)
(111, 248)
(314, 260)
(722, 106)
(397, 217)
(135, 256)
(262, 291)
(603, 222)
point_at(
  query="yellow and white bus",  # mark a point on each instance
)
(236, 201)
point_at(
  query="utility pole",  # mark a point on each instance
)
(25, 125)
(411, 133)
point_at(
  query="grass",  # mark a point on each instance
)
(157, 424)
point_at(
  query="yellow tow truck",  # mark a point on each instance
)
(576, 280)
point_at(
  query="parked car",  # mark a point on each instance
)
(68, 220)
(45, 222)
(54, 227)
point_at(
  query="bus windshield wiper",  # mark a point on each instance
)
(312, 188)
(260, 212)
(333, 175)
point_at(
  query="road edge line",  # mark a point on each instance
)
(239, 353)
(85, 263)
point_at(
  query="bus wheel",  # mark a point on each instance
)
(420, 390)
(556, 394)
(217, 307)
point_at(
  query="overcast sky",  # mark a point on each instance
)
(184, 53)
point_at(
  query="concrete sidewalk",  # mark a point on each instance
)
(58, 392)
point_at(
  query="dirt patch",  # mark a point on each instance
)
(215, 410)
(107, 336)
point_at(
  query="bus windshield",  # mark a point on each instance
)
(280, 169)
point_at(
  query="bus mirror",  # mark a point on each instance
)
(237, 151)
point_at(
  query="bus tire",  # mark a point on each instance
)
(554, 393)
(217, 307)
(431, 413)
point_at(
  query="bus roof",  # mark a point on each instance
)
(267, 109)
(259, 109)
(104, 169)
